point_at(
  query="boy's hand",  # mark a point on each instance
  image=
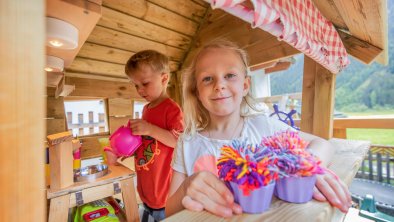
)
(204, 190)
(330, 188)
(140, 127)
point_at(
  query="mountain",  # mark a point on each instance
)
(359, 87)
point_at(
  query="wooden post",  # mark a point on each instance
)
(317, 99)
(22, 113)
(61, 160)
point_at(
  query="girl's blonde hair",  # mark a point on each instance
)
(196, 116)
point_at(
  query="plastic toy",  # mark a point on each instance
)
(123, 142)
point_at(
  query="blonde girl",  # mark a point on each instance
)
(217, 109)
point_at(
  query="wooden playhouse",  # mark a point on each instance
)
(110, 31)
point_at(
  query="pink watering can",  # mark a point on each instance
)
(123, 142)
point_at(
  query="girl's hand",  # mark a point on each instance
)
(140, 127)
(332, 189)
(203, 190)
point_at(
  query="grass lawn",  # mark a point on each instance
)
(376, 136)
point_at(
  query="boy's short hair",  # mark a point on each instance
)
(154, 59)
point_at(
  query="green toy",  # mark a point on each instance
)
(368, 210)
(96, 211)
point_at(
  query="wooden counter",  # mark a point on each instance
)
(120, 179)
(347, 160)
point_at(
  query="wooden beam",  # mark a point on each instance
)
(366, 20)
(112, 55)
(318, 99)
(101, 88)
(22, 113)
(279, 66)
(120, 40)
(361, 50)
(324, 102)
(187, 9)
(138, 27)
(261, 46)
(155, 14)
(308, 95)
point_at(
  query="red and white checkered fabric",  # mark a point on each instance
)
(297, 22)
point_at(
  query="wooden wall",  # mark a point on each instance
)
(22, 112)
(119, 97)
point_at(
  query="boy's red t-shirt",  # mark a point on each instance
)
(153, 158)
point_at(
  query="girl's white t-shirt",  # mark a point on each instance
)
(196, 153)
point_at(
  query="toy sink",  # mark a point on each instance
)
(90, 173)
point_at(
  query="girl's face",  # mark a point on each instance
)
(149, 84)
(221, 81)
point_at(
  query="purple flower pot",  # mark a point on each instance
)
(257, 201)
(295, 189)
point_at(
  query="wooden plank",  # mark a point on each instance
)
(155, 14)
(120, 107)
(22, 83)
(339, 133)
(91, 147)
(125, 23)
(364, 20)
(130, 201)
(59, 208)
(55, 126)
(280, 66)
(323, 102)
(361, 50)
(93, 193)
(55, 107)
(330, 12)
(116, 173)
(101, 88)
(96, 67)
(96, 77)
(367, 122)
(74, 13)
(112, 38)
(116, 122)
(261, 46)
(188, 9)
(308, 95)
(112, 55)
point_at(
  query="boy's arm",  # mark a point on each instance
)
(142, 127)
(164, 136)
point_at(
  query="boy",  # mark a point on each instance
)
(161, 123)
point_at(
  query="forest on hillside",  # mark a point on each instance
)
(359, 87)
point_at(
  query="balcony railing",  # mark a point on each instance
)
(379, 164)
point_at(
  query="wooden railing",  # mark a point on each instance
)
(379, 164)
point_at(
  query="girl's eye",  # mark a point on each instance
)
(207, 79)
(230, 75)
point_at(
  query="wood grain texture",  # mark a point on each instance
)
(22, 113)
(308, 95)
(155, 14)
(134, 26)
(323, 102)
(101, 88)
